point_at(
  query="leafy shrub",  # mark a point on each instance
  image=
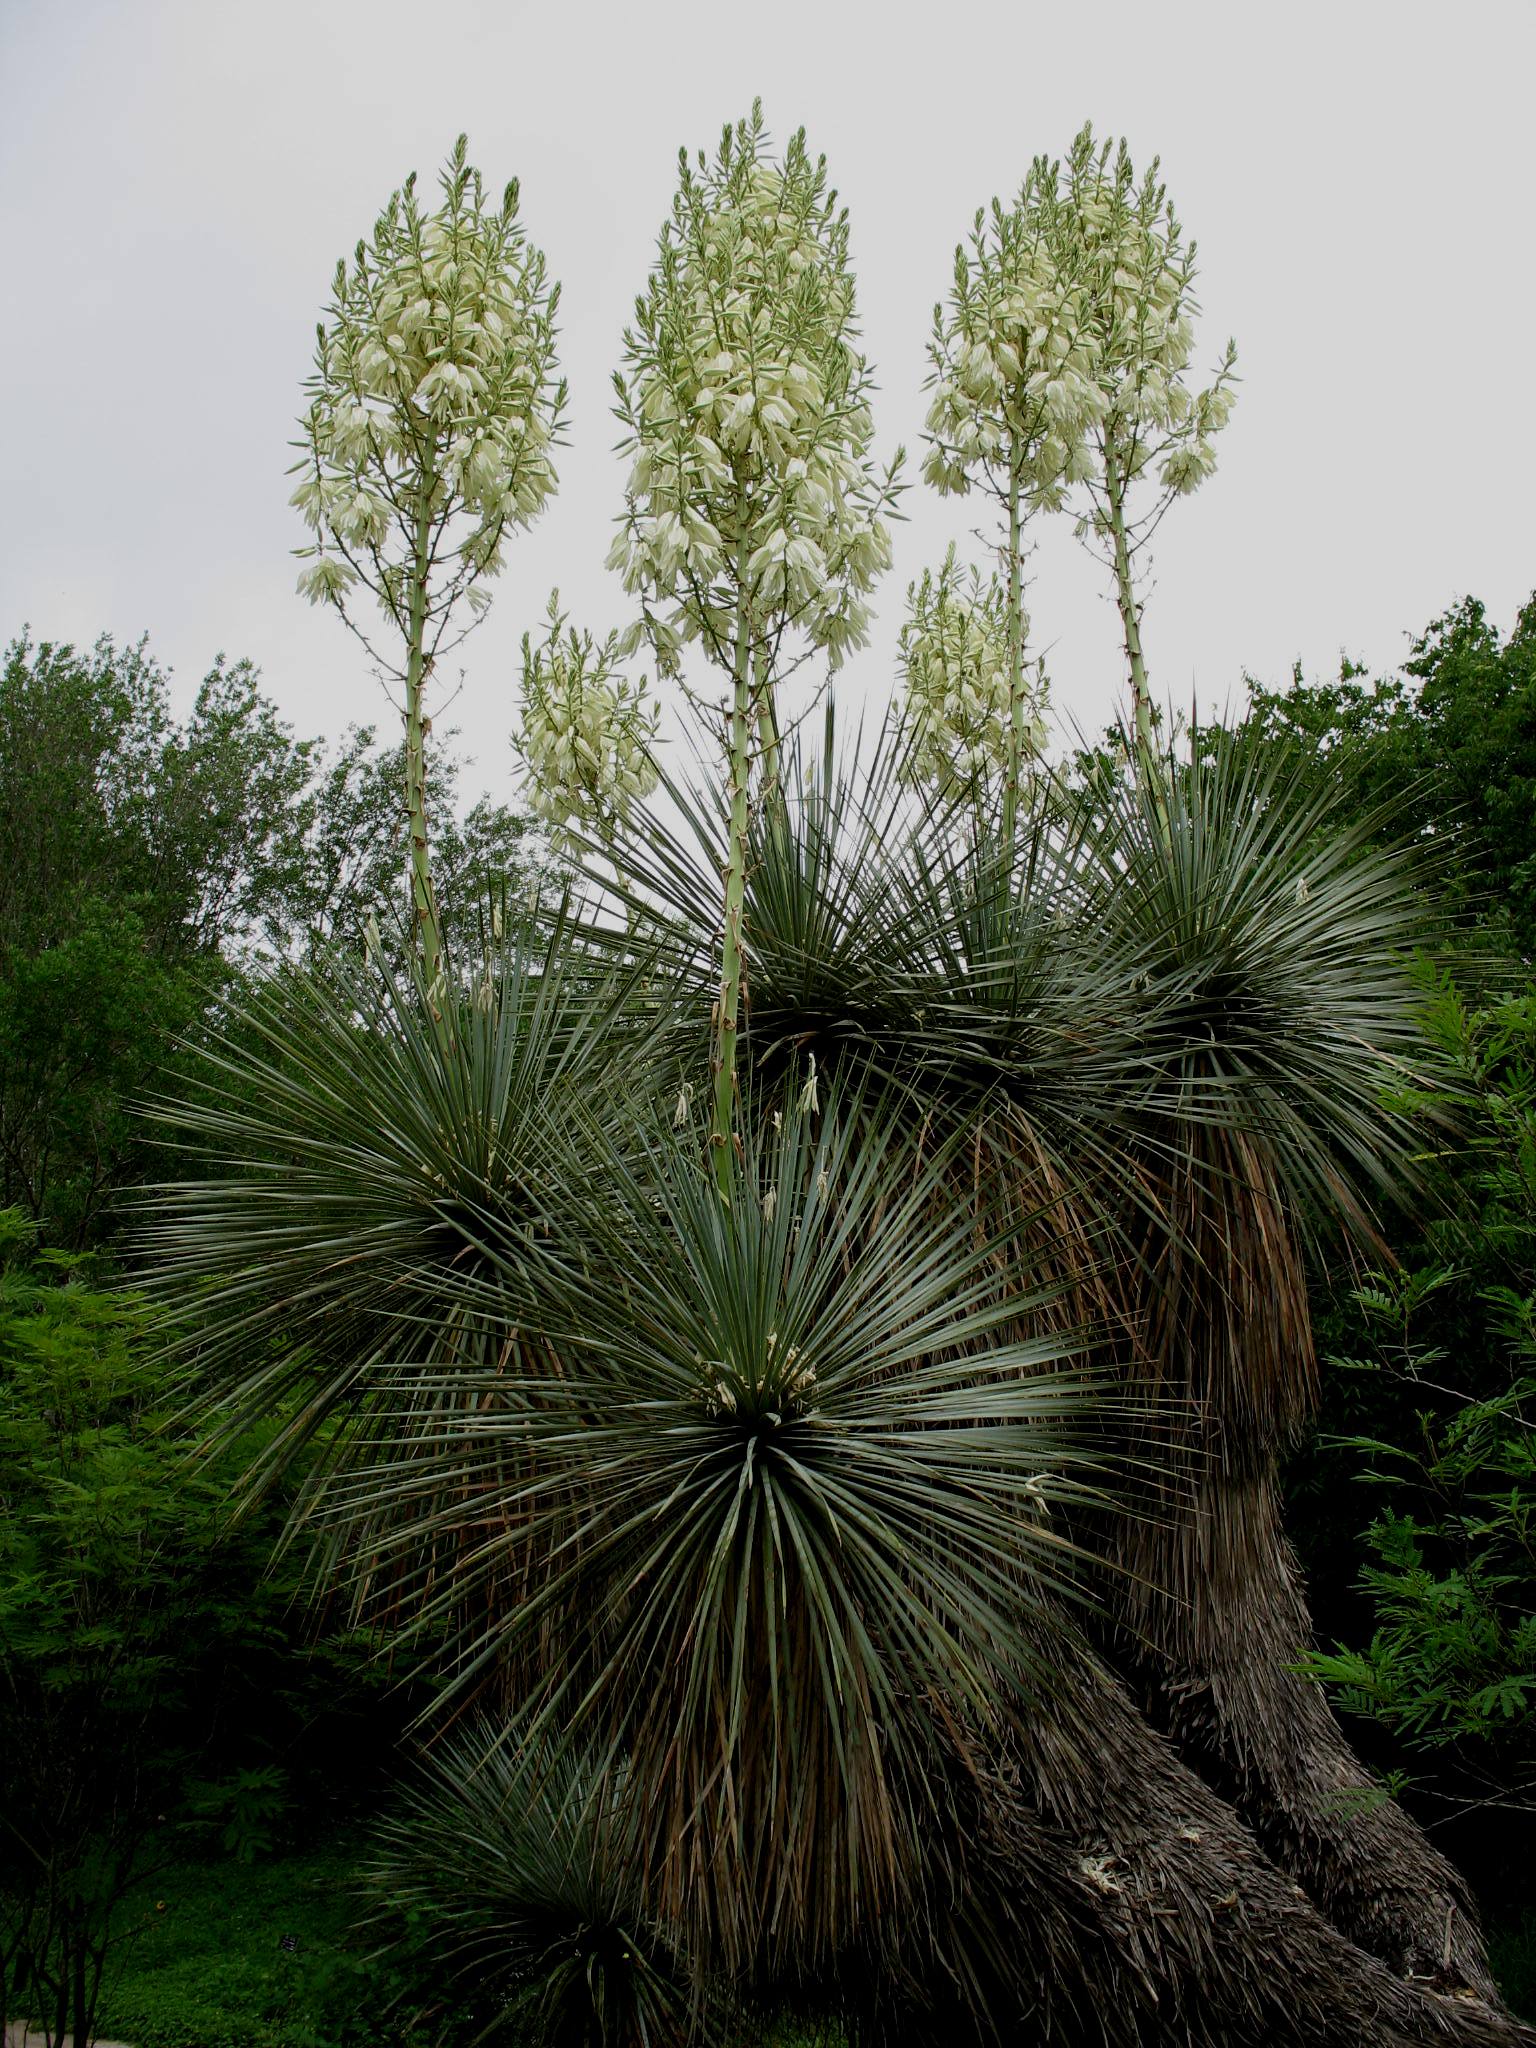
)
(1445, 1369)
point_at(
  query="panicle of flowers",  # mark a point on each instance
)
(1069, 329)
(588, 732)
(746, 407)
(1014, 361)
(434, 405)
(956, 680)
(1121, 239)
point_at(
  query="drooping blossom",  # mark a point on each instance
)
(588, 732)
(753, 506)
(434, 406)
(956, 683)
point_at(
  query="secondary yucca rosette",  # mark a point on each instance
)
(588, 731)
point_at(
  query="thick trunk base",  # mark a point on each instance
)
(1105, 1897)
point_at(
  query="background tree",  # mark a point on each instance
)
(434, 408)
(1439, 1385)
(124, 1601)
(755, 517)
(138, 852)
(148, 862)
(1449, 743)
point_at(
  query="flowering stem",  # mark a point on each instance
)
(731, 950)
(423, 900)
(1015, 761)
(1130, 615)
(768, 724)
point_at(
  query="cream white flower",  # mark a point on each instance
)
(1059, 366)
(588, 733)
(434, 404)
(746, 403)
(956, 682)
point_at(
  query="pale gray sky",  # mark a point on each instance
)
(179, 177)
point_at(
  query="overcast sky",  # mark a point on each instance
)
(181, 175)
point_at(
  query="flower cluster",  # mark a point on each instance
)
(957, 697)
(1014, 362)
(434, 403)
(587, 734)
(1066, 340)
(751, 496)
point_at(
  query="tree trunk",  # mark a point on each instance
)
(1210, 1611)
(1220, 1683)
(1104, 1897)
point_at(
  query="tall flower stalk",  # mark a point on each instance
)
(1059, 380)
(755, 520)
(1150, 438)
(1013, 394)
(433, 410)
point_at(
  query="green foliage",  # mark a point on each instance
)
(1443, 1365)
(144, 861)
(273, 1955)
(517, 1870)
(150, 1673)
(107, 1605)
(221, 1954)
(1447, 749)
(126, 851)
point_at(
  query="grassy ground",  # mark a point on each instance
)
(262, 1955)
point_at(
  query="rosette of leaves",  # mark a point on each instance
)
(514, 1868)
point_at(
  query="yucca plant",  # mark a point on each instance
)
(1171, 1020)
(372, 1168)
(1274, 942)
(807, 1468)
(513, 1867)
(765, 1497)
(782, 1508)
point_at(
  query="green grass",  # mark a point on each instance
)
(259, 1955)
(1512, 1953)
(205, 1962)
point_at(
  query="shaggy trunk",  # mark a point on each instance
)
(1211, 1610)
(1102, 1896)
